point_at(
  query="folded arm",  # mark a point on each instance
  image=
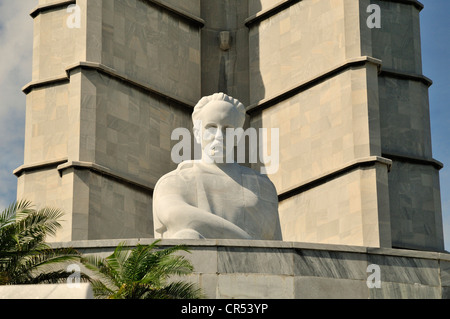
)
(178, 217)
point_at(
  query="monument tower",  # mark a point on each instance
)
(113, 78)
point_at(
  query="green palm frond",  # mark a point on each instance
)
(116, 261)
(104, 273)
(141, 273)
(176, 290)
(167, 267)
(42, 222)
(51, 257)
(100, 290)
(59, 276)
(25, 258)
(8, 216)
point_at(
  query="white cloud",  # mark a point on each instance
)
(16, 44)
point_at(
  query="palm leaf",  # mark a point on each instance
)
(24, 256)
(116, 263)
(139, 263)
(102, 274)
(8, 216)
(141, 272)
(100, 290)
(38, 223)
(176, 290)
(55, 277)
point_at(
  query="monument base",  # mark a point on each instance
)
(247, 269)
(47, 291)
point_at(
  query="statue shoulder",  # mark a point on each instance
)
(251, 172)
(177, 178)
(266, 187)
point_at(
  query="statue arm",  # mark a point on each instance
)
(269, 205)
(176, 215)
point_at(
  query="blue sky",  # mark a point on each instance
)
(16, 42)
(435, 27)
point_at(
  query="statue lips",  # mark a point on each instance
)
(216, 148)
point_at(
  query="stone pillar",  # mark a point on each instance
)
(350, 103)
(414, 190)
(105, 96)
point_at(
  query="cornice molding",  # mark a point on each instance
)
(112, 73)
(330, 73)
(414, 160)
(50, 6)
(303, 86)
(333, 174)
(285, 4)
(188, 17)
(63, 164)
(107, 172)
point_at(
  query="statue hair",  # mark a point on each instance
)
(219, 97)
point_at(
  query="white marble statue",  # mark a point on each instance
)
(210, 198)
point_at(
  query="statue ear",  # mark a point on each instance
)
(197, 130)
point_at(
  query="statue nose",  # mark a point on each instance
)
(220, 134)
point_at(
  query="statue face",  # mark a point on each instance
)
(216, 118)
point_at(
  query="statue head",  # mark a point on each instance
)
(212, 116)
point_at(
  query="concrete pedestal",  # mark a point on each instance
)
(286, 270)
(54, 291)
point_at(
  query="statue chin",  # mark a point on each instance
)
(215, 156)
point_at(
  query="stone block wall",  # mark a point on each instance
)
(101, 108)
(236, 269)
(343, 94)
(350, 103)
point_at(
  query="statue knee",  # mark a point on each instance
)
(187, 234)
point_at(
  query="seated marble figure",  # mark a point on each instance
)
(213, 197)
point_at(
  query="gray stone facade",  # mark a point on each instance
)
(245, 269)
(351, 103)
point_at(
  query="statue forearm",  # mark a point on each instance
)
(180, 216)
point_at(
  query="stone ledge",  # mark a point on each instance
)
(417, 4)
(63, 164)
(335, 173)
(332, 72)
(56, 80)
(415, 160)
(39, 166)
(289, 270)
(62, 79)
(284, 4)
(105, 171)
(242, 243)
(55, 291)
(178, 12)
(303, 86)
(266, 14)
(133, 82)
(406, 76)
(49, 6)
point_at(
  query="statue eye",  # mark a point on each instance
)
(210, 132)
